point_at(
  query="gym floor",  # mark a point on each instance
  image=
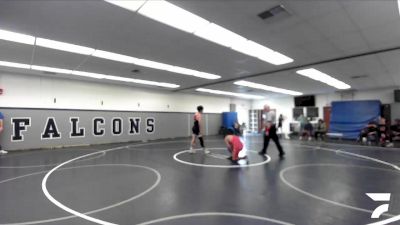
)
(159, 182)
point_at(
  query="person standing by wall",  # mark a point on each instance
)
(270, 131)
(303, 121)
(198, 130)
(280, 123)
(2, 152)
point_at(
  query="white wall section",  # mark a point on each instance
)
(29, 91)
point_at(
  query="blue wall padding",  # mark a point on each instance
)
(349, 117)
(229, 119)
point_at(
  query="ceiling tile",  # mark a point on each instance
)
(15, 52)
(383, 36)
(372, 13)
(350, 42)
(334, 23)
(324, 49)
(55, 58)
(311, 9)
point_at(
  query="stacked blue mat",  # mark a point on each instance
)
(349, 117)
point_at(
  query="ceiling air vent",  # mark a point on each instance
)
(135, 71)
(49, 73)
(274, 12)
(359, 76)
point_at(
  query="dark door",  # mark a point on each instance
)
(327, 116)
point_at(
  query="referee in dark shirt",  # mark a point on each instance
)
(270, 131)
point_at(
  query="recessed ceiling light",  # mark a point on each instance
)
(266, 87)
(17, 37)
(15, 65)
(172, 15)
(218, 92)
(62, 46)
(324, 78)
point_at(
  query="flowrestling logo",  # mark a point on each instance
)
(381, 209)
(99, 127)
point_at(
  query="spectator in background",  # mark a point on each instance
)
(395, 130)
(321, 130)
(280, 122)
(2, 152)
(369, 133)
(307, 131)
(302, 120)
(382, 131)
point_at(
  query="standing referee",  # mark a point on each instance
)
(270, 131)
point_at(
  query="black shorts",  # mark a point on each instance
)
(196, 130)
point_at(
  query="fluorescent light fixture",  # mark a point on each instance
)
(131, 5)
(263, 53)
(154, 83)
(116, 78)
(276, 58)
(175, 69)
(266, 87)
(14, 65)
(115, 57)
(154, 65)
(252, 48)
(17, 37)
(220, 35)
(51, 69)
(47, 43)
(62, 46)
(323, 77)
(204, 75)
(218, 92)
(398, 5)
(87, 74)
(139, 81)
(181, 70)
(172, 15)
